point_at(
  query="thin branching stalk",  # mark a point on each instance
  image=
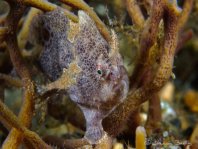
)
(26, 112)
(187, 6)
(10, 80)
(47, 6)
(153, 122)
(3, 31)
(135, 13)
(10, 120)
(80, 4)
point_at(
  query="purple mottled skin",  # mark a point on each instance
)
(103, 82)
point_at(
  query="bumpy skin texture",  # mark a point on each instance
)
(57, 53)
(103, 82)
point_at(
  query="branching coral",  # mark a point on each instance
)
(135, 13)
(144, 82)
(152, 70)
(10, 120)
(26, 112)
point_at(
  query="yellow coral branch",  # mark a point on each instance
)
(80, 4)
(185, 12)
(47, 6)
(24, 32)
(10, 120)
(135, 13)
(26, 112)
(10, 80)
(3, 30)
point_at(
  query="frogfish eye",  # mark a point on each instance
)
(99, 71)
